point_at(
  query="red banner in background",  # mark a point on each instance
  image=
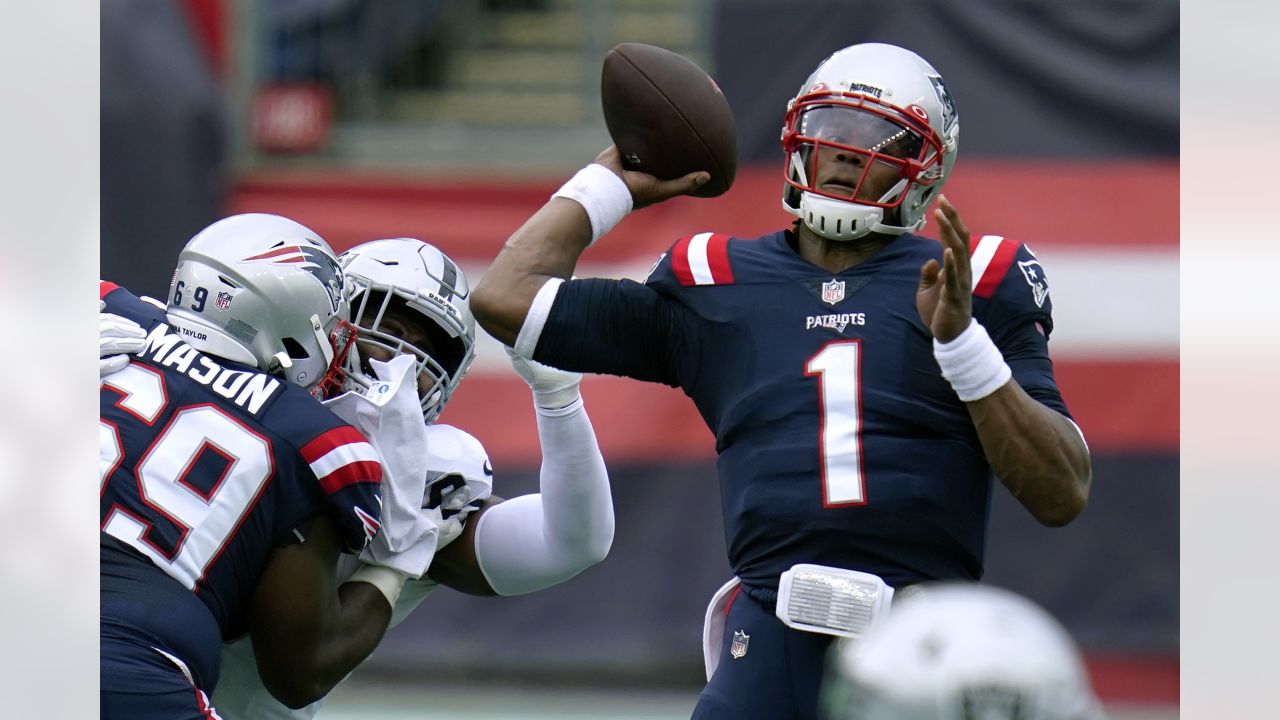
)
(1043, 203)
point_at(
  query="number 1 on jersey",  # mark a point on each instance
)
(840, 442)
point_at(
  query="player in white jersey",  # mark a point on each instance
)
(415, 323)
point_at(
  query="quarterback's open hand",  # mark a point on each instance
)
(117, 337)
(645, 188)
(945, 296)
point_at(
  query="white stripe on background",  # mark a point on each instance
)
(1107, 304)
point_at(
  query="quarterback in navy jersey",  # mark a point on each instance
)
(863, 383)
(226, 491)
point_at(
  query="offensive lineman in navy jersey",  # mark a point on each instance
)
(863, 383)
(227, 490)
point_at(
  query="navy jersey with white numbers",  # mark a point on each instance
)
(839, 441)
(206, 466)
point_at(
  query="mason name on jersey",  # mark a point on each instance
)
(249, 389)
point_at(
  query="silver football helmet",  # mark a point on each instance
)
(406, 273)
(264, 291)
(960, 652)
(882, 107)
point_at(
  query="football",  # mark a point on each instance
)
(667, 116)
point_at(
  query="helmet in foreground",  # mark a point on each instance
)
(406, 274)
(887, 113)
(264, 291)
(960, 652)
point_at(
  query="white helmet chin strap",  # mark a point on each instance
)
(326, 348)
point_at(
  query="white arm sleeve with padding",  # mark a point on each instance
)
(535, 541)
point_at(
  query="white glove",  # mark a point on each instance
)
(552, 388)
(449, 512)
(447, 529)
(117, 336)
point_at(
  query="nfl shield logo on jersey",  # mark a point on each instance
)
(833, 291)
(740, 640)
(223, 301)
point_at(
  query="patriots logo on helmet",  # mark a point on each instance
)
(947, 102)
(313, 260)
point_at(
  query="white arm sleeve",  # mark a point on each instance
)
(535, 541)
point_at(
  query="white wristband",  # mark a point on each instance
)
(389, 581)
(972, 363)
(602, 194)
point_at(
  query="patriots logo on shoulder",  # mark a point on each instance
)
(739, 646)
(1034, 275)
(369, 523)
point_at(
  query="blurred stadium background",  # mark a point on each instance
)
(453, 120)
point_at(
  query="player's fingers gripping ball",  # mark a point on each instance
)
(668, 117)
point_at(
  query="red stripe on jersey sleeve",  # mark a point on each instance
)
(329, 440)
(361, 471)
(105, 287)
(680, 261)
(718, 259)
(996, 269)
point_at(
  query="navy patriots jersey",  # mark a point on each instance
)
(206, 466)
(839, 441)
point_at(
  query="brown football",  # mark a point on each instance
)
(668, 117)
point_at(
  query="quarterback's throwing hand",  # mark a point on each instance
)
(945, 296)
(645, 188)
